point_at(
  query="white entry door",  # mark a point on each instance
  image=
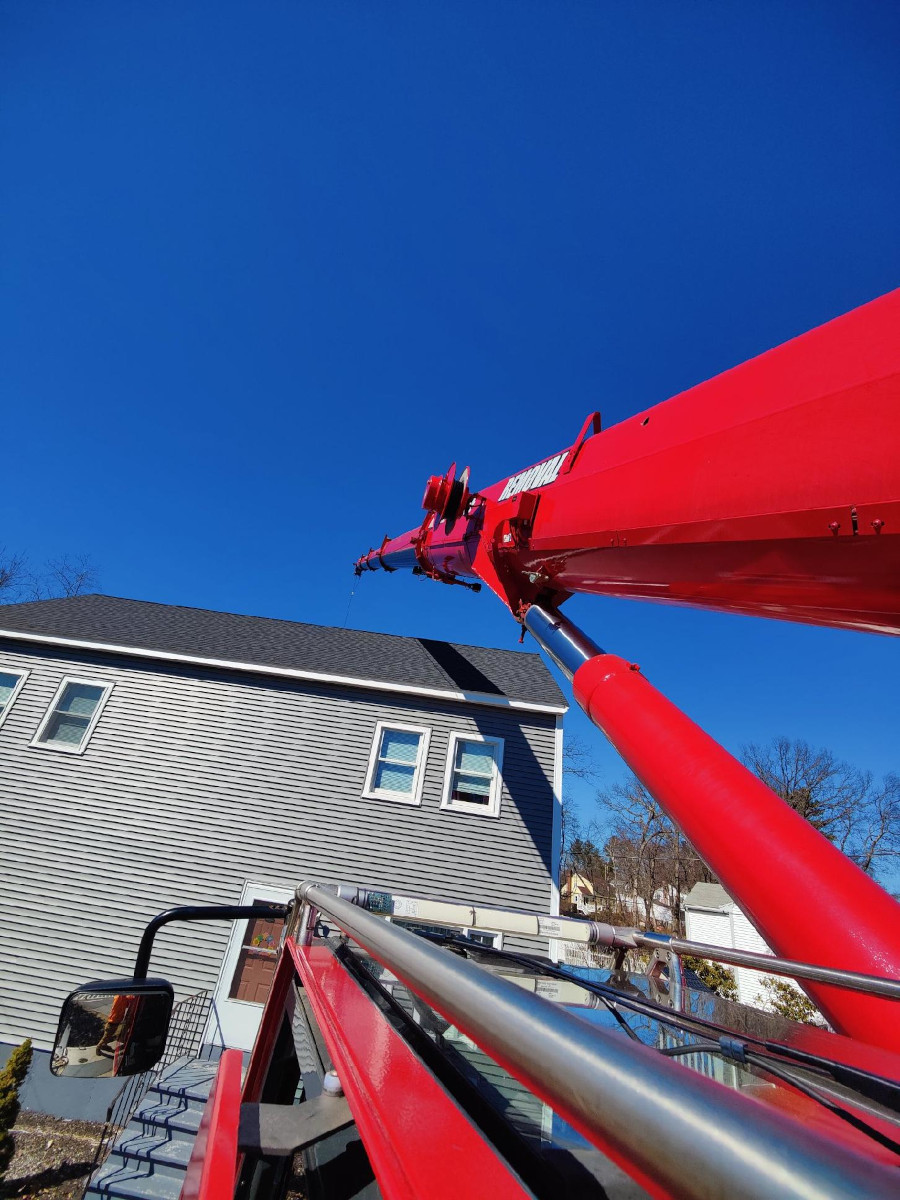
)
(247, 972)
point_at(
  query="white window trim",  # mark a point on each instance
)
(23, 675)
(492, 808)
(495, 934)
(91, 725)
(413, 797)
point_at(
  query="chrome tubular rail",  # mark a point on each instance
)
(874, 985)
(692, 1136)
(599, 934)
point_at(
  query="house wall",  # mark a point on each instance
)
(729, 928)
(193, 783)
(749, 983)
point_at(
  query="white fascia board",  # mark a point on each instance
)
(407, 689)
(556, 836)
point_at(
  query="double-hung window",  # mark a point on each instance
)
(11, 683)
(70, 719)
(473, 780)
(397, 763)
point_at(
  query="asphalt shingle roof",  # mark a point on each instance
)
(267, 642)
(707, 895)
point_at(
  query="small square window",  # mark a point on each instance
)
(473, 780)
(397, 763)
(71, 717)
(11, 683)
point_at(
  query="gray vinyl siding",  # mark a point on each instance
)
(193, 783)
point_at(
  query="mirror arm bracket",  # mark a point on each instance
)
(200, 912)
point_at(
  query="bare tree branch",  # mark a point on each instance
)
(70, 575)
(578, 761)
(650, 861)
(13, 572)
(841, 801)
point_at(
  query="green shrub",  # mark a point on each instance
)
(717, 978)
(11, 1079)
(782, 997)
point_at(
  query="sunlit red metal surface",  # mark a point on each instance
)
(418, 1140)
(773, 490)
(212, 1171)
(267, 1035)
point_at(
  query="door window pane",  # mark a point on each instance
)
(256, 962)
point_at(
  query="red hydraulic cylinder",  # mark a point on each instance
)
(806, 898)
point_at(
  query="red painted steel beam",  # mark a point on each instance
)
(419, 1141)
(267, 1034)
(212, 1170)
(772, 489)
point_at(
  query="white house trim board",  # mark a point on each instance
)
(285, 672)
(556, 836)
(556, 843)
(413, 797)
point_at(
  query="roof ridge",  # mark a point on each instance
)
(218, 612)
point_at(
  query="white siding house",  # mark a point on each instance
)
(711, 916)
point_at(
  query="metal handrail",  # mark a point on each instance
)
(872, 984)
(598, 933)
(625, 1098)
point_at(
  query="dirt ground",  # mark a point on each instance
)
(53, 1158)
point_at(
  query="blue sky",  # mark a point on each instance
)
(265, 267)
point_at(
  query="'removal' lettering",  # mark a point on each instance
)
(534, 477)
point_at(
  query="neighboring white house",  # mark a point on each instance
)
(578, 892)
(711, 916)
(661, 910)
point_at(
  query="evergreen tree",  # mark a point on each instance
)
(11, 1078)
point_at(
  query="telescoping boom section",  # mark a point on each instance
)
(771, 490)
(406, 1052)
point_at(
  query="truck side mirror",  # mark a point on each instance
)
(112, 1027)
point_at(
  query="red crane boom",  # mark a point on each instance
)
(772, 490)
